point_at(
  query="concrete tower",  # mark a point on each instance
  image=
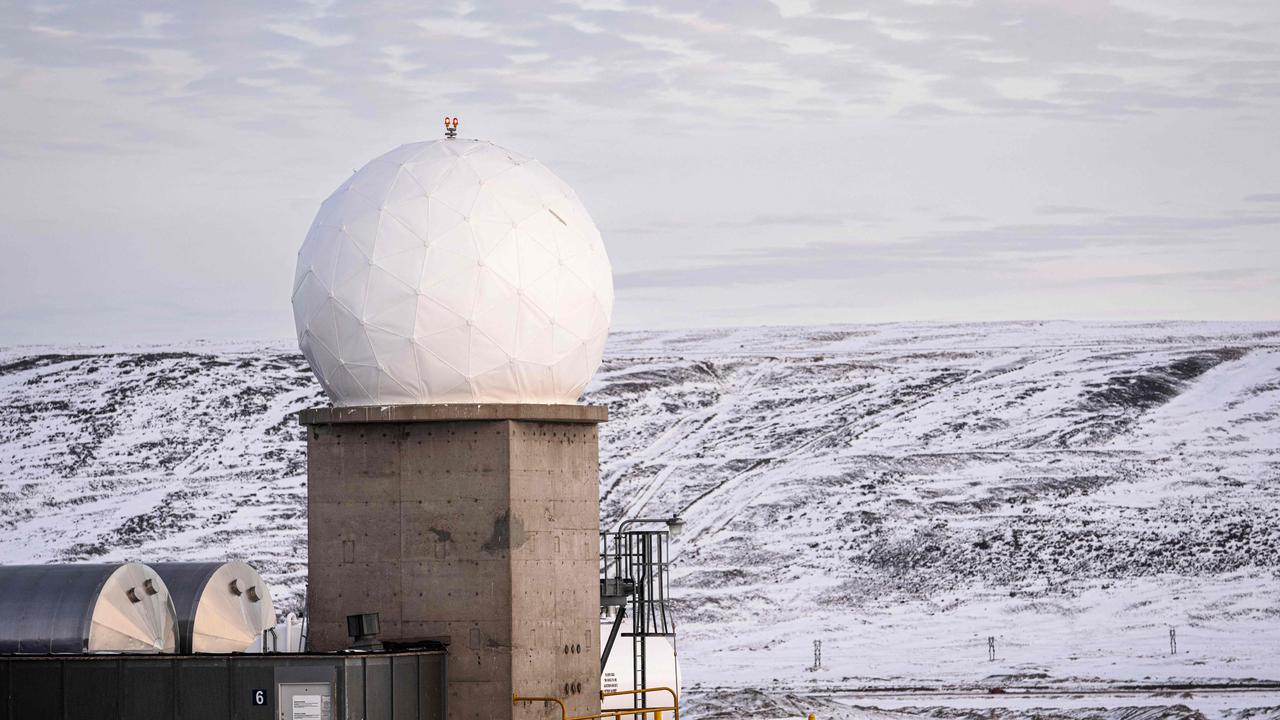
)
(453, 298)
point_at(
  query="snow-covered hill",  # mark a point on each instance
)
(898, 492)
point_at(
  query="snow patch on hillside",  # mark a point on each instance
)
(899, 492)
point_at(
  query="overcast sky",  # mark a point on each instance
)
(746, 162)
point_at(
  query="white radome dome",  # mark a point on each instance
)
(452, 271)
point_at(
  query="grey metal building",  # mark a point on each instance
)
(333, 686)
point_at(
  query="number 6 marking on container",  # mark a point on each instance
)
(259, 697)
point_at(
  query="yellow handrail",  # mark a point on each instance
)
(675, 701)
(564, 714)
(632, 713)
(616, 714)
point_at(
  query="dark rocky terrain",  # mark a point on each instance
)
(898, 492)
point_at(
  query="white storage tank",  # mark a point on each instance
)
(223, 607)
(661, 669)
(91, 608)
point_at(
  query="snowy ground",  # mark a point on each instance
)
(1216, 704)
(898, 492)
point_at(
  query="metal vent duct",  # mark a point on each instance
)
(222, 607)
(85, 608)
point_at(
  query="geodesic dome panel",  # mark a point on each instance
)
(453, 271)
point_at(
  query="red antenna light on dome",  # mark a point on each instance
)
(450, 130)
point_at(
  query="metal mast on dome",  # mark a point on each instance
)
(450, 131)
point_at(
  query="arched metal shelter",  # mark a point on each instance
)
(222, 607)
(85, 608)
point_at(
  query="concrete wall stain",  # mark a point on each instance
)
(508, 533)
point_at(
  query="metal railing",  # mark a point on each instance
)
(655, 713)
(640, 559)
(635, 566)
(675, 701)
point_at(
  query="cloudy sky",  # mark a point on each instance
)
(747, 162)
